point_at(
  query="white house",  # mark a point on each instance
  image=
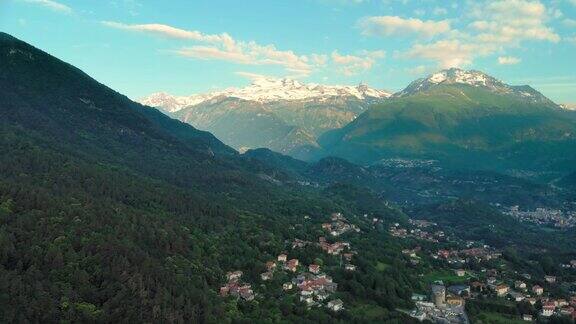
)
(336, 305)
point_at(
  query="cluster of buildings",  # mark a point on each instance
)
(332, 248)
(520, 291)
(339, 225)
(412, 254)
(286, 264)
(314, 287)
(418, 233)
(443, 305)
(571, 264)
(421, 223)
(446, 304)
(338, 249)
(407, 163)
(235, 288)
(544, 216)
(462, 256)
(298, 243)
(398, 231)
(559, 307)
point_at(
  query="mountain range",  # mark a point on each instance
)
(281, 114)
(463, 118)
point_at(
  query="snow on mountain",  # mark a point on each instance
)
(473, 78)
(172, 103)
(268, 90)
(568, 106)
(287, 89)
(452, 76)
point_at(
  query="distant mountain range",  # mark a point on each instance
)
(465, 119)
(267, 90)
(281, 114)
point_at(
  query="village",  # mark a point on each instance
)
(439, 307)
(544, 217)
(313, 286)
(418, 231)
(469, 270)
(477, 272)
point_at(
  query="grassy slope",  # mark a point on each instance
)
(461, 122)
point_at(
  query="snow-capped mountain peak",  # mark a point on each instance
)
(475, 78)
(172, 103)
(455, 76)
(452, 76)
(268, 90)
(288, 89)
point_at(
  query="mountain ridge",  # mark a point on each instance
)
(474, 78)
(266, 90)
(280, 114)
(462, 117)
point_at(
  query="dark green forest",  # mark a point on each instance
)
(112, 212)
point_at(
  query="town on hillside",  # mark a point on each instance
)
(310, 282)
(466, 271)
(458, 274)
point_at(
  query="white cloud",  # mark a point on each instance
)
(225, 48)
(508, 60)
(214, 53)
(254, 76)
(352, 64)
(166, 31)
(53, 5)
(394, 25)
(448, 53)
(319, 59)
(490, 27)
(419, 70)
(511, 22)
(251, 54)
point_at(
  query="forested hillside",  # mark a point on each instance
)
(112, 212)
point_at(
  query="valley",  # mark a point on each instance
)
(450, 201)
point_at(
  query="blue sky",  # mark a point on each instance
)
(183, 47)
